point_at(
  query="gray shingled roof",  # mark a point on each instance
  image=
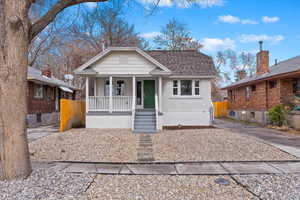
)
(287, 66)
(185, 62)
(35, 74)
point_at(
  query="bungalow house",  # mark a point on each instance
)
(251, 97)
(127, 87)
(43, 97)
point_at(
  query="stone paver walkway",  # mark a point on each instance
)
(196, 168)
(285, 141)
(145, 148)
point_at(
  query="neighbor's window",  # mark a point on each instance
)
(253, 88)
(247, 93)
(272, 84)
(175, 87)
(120, 88)
(186, 87)
(296, 86)
(197, 87)
(38, 91)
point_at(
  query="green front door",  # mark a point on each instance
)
(149, 93)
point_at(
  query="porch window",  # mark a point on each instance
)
(186, 87)
(91, 87)
(175, 87)
(106, 88)
(120, 88)
(197, 87)
(38, 91)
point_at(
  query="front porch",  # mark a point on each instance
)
(124, 96)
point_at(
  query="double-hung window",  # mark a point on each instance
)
(186, 87)
(197, 87)
(120, 88)
(175, 87)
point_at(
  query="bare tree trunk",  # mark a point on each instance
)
(14, 28)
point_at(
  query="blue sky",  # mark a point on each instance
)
(222, 24)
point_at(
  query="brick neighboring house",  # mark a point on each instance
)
(251, 97)
(43, 97)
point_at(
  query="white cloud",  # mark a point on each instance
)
(235, 20)
(273, 39)
(91, 4)
(229, 19)
(217, 44)
(184, 3)
(267, 19)
(150, 35)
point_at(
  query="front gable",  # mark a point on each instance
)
(118, 62)
(123, 61)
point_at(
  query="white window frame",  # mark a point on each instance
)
(196, 87)
(179, 88)
(38, 91)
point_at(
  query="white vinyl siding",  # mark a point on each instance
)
(123, 63)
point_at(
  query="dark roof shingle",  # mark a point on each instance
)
(287, 66)
(185, 62)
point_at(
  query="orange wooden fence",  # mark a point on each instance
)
(72, 114)
(220, 109)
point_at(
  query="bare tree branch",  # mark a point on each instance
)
(42, 23)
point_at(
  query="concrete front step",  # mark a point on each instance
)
(145, 114)
(145, 117)
(145, 126)
(145, 123)
(144, 131)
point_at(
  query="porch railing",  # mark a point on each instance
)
(119, 103)
(122, 103)
(99, 103)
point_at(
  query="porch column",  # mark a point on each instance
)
(160, 94)
(110, 94)
(87, 94)
(133, 92)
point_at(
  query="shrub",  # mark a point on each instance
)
(277, 115)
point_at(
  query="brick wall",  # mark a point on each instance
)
(263, 98)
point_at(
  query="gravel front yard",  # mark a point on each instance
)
(109, 145)
(273, 187)
(212, 144)
(164, 187)
(120, 145)
(46, 184)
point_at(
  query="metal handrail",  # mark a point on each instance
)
(133, 112)
(156, 112)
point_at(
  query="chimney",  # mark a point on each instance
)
(262, 60)
(47, 72)
(241, 74)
